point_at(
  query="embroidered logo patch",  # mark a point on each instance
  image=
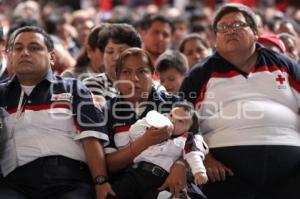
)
(281, 81)
(67, 97)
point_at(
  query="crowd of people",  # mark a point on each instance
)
(159, 102)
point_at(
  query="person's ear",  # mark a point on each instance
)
(52, 58)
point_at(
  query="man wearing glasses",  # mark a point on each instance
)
(248, 100)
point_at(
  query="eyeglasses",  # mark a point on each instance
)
(234, 26)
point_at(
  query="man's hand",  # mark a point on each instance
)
(176, 180)
(103, 190)
(215, 169)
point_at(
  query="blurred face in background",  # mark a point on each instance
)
(171, 79)
(194, 51)
(83, 29)
(96, 59)
(291, 48)
(111, 54)
(157, 38)
(181, 30)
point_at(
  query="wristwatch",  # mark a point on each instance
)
(100, 179)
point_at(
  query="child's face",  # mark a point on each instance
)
(171, 79)
(181, 119)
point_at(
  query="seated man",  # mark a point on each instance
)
(51, 145)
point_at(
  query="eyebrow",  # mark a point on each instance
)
(31, 43)
(235, 21)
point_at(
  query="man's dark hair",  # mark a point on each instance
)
(120, 34)
(148, 20)
(172, 59)
(19, 23)
(47, 39)
(235, 7)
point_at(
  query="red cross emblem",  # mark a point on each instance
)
(280, 79)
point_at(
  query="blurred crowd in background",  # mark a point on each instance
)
(70, 21)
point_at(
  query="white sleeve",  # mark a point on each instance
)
(195, 158)
(195, 162)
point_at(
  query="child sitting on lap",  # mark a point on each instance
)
(153, 165)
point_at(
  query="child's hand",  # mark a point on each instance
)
(200, 178)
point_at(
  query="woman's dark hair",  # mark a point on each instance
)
(172, 59)
(193, 36)
(235, 7)
(120, 34)
(189, 108)
(137, 52)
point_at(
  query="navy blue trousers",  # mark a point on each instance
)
(52, 177)
(261, 172)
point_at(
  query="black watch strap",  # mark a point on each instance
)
(100, 179)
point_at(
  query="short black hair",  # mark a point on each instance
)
(47, 39)
(21, 22)
(236, 7)
(120, 34)
(148, 20)
(172, 59)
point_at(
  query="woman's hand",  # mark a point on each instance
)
(154, 136)
(103, 190)
(176, 180)
(215, 169)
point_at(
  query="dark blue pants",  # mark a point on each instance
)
(52, 177)
(261, 172)
(139, 183)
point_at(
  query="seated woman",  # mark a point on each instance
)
(153, 165)
(194, 48)
(134, 71)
